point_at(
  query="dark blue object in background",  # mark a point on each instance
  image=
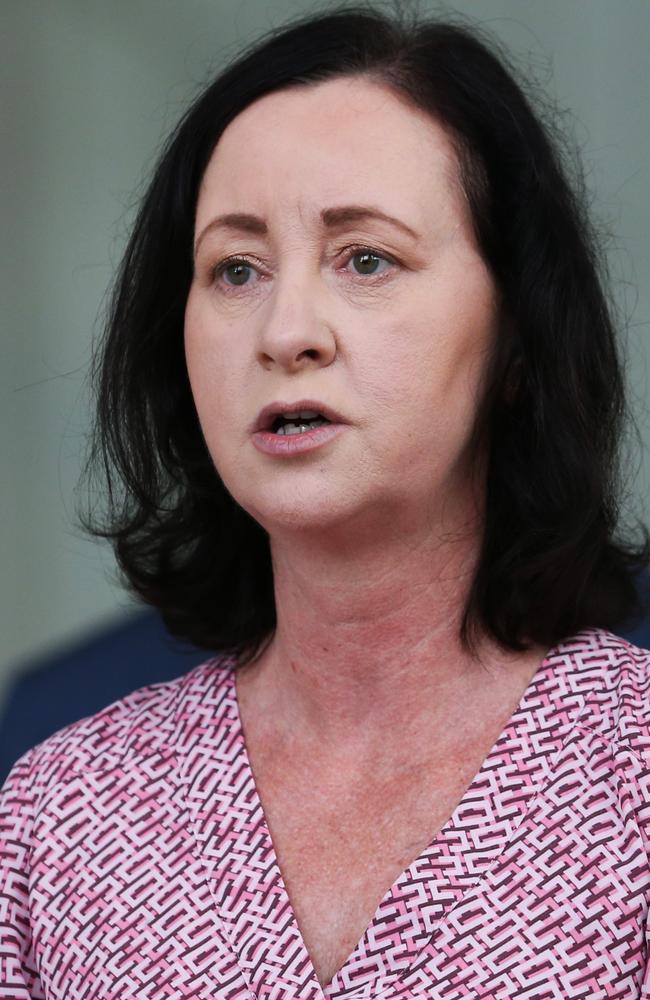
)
(86, 677)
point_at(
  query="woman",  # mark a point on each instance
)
(361, 387)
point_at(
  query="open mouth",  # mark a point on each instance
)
(297, 423)
(296, 432)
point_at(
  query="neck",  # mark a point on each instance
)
(366, 651)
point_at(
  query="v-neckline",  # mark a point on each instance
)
(251, 897)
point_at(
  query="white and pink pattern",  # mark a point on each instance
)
(136, 861)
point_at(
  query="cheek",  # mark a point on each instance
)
(194, 338)
(424, 366)
(427, 381)
(211, 381)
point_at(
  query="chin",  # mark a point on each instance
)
(293, 516)
(277, 510)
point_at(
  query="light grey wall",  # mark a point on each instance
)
(90, 89)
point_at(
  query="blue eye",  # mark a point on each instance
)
(368, 257)
(232, 265)
(238, 268)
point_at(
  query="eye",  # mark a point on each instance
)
(237, 268)
(368, 260)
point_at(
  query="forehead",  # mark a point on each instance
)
(343, 140)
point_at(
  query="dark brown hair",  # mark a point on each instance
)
(554, 408)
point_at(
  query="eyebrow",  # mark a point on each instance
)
(331, 219)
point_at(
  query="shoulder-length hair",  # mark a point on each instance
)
(554, 407)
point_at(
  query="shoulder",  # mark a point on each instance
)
(616, 678)
(145, 720)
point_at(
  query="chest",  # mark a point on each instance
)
(341, 848)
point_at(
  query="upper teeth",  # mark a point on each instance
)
(305, 414)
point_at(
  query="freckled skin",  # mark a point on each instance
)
(373, 537)
(400, 359)
(364, 718)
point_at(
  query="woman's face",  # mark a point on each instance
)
(396, 343)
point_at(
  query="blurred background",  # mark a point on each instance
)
(91, 88)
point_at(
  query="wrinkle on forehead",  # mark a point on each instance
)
(328, 132)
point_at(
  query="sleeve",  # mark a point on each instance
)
(644, 824)
(19, 979)
(645, 985)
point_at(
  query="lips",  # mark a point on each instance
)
(266, 417)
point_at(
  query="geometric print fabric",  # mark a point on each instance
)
(136, 861)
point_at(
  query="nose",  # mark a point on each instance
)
(294, 334)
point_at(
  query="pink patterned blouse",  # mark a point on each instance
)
(137, 861)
